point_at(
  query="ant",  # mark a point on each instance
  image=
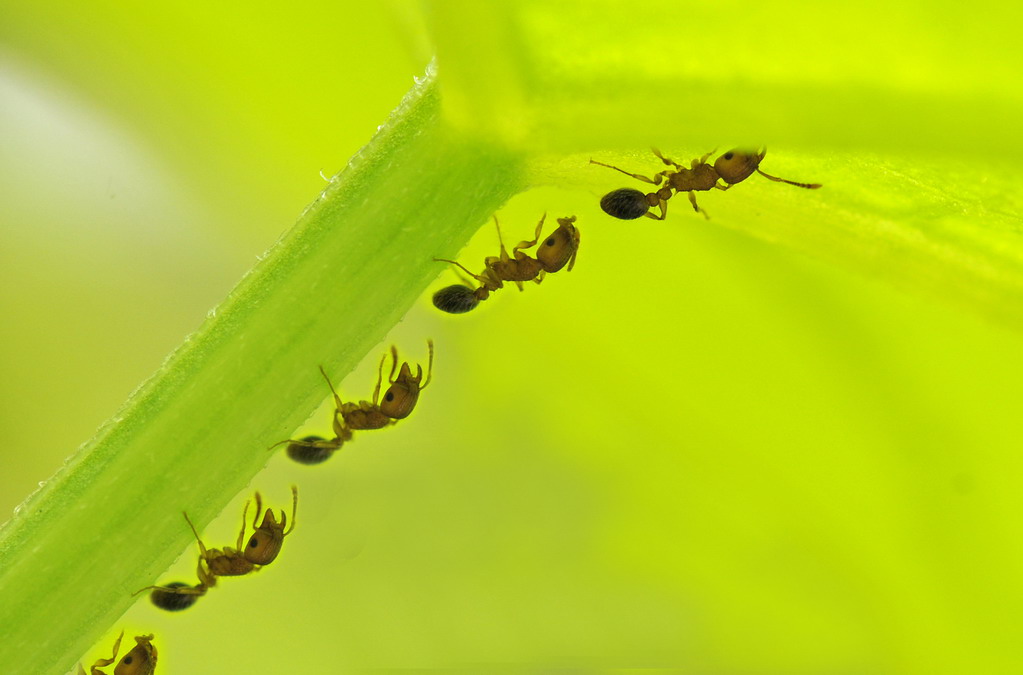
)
(398, 403)
(141, 660)
(732, 167)
(263, 548)
(558, 250)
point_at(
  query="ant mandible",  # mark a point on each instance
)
(732, 167)
(398, 403)
(141, 660)
(262, 548)
(558, 250)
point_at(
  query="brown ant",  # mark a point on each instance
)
(558, 250)
(732, 167)
(262, 548)
(398, 403)
(141, 660)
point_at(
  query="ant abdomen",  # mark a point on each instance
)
(170, 601)
(309, 454)
(455, 299)
(625, 203)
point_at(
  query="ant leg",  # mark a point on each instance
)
(464, 279)
(463, 268)
(539, 277)
(808, 186)
(337, 399)
(199, 589)
(504, 254)
(669, 162)
(245, 513)
(529, 244)
(692, 200)
(202, 547)
(490, 280)
(341, 432)
(656, 180)
(207, 580)
(323, 443)
(664, 211)
(394, 366)
(100, 663)
(380, 378)
(702, 160)
(294, 509)
(330, 444)
(255, 521)
(429, 368)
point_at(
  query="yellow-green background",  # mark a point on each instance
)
(697, 450)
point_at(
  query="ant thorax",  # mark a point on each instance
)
(517, 269)
(228, 563)
(364, 416)
(701, 177)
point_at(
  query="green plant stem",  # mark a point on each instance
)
(193, 436)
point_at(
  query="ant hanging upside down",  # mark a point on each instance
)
(140, 660)
(558, 249)
(261, 549)
(732, 167)
(398, 403)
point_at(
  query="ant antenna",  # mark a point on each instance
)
(808, 186)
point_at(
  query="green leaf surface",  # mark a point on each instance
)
(196, 433)
(910, 137)
(698, 451)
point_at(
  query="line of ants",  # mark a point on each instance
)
(264, 545)
(558, 251)
(562, 245)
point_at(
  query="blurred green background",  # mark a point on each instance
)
(697, 450)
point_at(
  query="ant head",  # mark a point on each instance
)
(141, 660)
(401, 397)
(267, 538)
(170, 601)
(266, 541)
(403, 394)
(456, 299)
(560, 247)
(737, 165)
(309, 454)
(625, 203)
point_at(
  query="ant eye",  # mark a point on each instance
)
(253, 543)
(127, 660)
(625, 203)
(550, 242)
(456, 299)
(389, 396)
(728, 155)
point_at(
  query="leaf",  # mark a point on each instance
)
(910, 137)
(697, 450)
(196, 433)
